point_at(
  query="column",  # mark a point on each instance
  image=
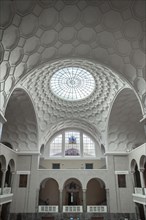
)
(60, 208)
(132, 180)
(3, 180)
(84, 200)
(12, 180)
(141, 178)
(108, 200)
(144, 206)
(143, 186)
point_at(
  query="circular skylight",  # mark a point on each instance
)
(72, 83)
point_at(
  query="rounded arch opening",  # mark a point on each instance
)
(96, 192)
(72, 192)
(49, 192)
(125, 132)
(20, 130)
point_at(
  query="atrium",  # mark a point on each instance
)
(72, 110)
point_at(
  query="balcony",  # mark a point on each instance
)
(6, 196)
(72, 209)
(139, 195)
(48, 208)
(96, 209)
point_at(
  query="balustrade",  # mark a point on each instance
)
(72, 209)
(96, 209)
(48, 208)
(6, 190)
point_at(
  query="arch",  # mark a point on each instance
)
(74, 124)
(12, 165)
(85, 144)
(96, 193)
(49, 192)
(142, 162)
(3, 162)
(124, 130)
(21, 129)
(143, 168)
(10, 169)
(132, 165)
(42, 149)
(72, 192)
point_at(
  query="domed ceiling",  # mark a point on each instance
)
(110, 32)
(105, 38)
(52, 110)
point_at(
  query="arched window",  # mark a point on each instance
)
(89, 146)
(72, 143)
(56, 146)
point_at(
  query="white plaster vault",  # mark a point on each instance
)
(107, 38)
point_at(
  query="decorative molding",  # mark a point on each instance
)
(23, 172)
(122, 172)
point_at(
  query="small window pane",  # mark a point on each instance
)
(89, 146)
(23, 180)
(56, 146)
(89, 165)
(56, 166)
(121, 181)
(72, 143)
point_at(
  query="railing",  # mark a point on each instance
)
(72, 209)
(97, 209)
(6, 190)
(140, 191)
(48, 208)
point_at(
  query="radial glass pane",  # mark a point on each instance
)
(72, 143)
(72, 83)
(89, 146)
(56, 146)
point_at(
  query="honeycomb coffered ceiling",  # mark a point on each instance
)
(109, 32)
(52, 110)
(105, 37)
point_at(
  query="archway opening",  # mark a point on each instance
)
(137, 177)
(96, 192)
(49, 192)
(72, 192)
(125, 132)
(20, 130)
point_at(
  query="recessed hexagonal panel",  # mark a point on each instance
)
(31, 45)
(4, 69)
(24, 7)
(28, 25)
(7, 14)
(48, 18)
(67, 34)
(16, 56)
(1, 52)
(132, 29)
(49, 37)
(112, 20)
(10, 37)
(69, 15)
(91, 16)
